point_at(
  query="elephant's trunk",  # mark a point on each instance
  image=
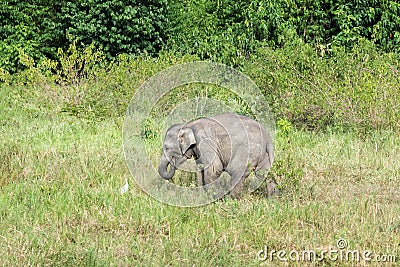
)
(163, 169)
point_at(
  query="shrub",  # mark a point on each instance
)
(39, 28)
(356, 89)
(229, 31)
(217, 30)
(127, 26)
(28, 28)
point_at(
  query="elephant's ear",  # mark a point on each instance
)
(186, 139)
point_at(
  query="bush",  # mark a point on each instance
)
(127, 26)
(28, 28)
(356, 90)
(216, 30)
(350, 90)
(39, 28)
(229, 31)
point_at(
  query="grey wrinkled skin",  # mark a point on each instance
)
(228, 142)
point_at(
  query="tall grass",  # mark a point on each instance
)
(62, 166)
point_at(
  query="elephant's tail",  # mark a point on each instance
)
(270, 151)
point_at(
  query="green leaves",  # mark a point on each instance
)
(39, 28)
(356, 89)
(229, 31)
(118, 26)
(226, 31)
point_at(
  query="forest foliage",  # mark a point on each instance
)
(320, 64)
(227, 31)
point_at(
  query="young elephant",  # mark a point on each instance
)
(228, 142)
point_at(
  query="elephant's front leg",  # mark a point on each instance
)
(206, 177)
(206, 173)
(200, 178)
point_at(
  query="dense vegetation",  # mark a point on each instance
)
(221, 30)
(39, 28)
(228, 30)
(347, 51)
(329, 70)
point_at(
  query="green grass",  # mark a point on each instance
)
(60, 203)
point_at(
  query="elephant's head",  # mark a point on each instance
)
(177, 148)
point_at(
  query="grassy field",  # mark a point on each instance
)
(60, 201)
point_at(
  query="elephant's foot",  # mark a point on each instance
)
(272, 188)
(237, 191)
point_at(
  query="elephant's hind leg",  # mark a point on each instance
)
(270, 185)
(237, 184)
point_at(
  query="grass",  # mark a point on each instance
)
(60, 203)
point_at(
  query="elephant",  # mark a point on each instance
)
(228, 142)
